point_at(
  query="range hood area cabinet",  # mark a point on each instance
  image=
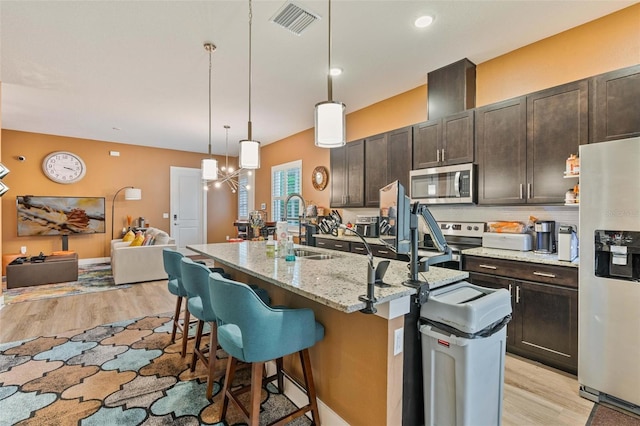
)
(347, 175)
(522, 145)
(387, 159)
(614, 103)
(445, 141)
(451, 89)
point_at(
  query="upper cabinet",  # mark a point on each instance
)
(522, 145)
(347, 175)
(451, 89)
(445, 141)
(501, 152)
(387, 159)
(615, 105)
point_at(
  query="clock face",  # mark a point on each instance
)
(64, 167)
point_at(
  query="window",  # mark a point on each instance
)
(245, 196)
(286, 180)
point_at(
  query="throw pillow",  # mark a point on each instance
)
(161, 238)
(138, 240)
(129, 236)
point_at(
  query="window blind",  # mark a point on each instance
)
(286, 180)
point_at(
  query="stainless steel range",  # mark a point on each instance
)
(460, 236)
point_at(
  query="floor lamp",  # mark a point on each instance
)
(130, 194)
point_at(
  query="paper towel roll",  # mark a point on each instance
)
(281, 236)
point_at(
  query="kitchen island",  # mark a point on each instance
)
(358, 374)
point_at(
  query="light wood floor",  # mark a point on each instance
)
(533, 394)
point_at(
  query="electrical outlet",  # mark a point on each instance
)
(165, 215)
(23, 250)
(263, 206)
(398, 341)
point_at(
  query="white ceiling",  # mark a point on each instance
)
(86, 68)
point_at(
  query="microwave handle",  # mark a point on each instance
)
(456, 184)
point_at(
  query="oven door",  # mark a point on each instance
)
(444, 185)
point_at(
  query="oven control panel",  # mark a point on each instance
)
(463, 229)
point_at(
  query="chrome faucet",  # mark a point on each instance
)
(304, 206)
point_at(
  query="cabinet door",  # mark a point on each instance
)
(399, 147)
(547, 323)
(338, 180)
(557, 123)
(501, 152)
(491, 281)
(355, 174)
(375, 172)
(615, 105)
(426, 144)
(457, 138)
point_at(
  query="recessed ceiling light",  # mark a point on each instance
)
(423, 21)
(335, 71)
(116, 128)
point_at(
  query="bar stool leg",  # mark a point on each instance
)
(213, 348)
(176, 319)
(196, 347)
(256, 393)
(279, 368)
(311, 387)
(185, 331)
(228, 380)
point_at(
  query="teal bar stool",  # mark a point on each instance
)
(171, 259)
(195, 279)
(250, 331)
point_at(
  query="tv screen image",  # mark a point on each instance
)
(395, 208)
(60, 215)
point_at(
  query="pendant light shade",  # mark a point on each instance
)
(330, 124)
(209, 169)
(330, 118)
(249, 154)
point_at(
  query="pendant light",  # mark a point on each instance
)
(330, 115)
(209, 165)
(249, 148)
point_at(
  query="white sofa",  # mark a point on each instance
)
(141, 263)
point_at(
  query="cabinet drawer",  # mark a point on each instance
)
(376, 250)
(538, 272)
(333, 244)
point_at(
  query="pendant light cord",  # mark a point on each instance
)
(210, 47)
(249, 130)
(329, 80)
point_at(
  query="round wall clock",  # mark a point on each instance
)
(63, 167)
(320, 177)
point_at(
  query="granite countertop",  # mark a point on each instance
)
(523, 256)
(335, 282)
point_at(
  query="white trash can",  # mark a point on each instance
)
(463, 351)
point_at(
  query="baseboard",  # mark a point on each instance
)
(299, 398)
(94, 260)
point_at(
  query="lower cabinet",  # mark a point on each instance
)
(544, 325)
(333, 244)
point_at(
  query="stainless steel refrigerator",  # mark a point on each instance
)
(609, 278)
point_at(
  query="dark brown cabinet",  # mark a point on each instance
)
(445, 141)
(451, 89)
(333, 244)
(501, 152)
(615, 105)
(544, 325)
(522, 145)
(387, 159)
(347, 175)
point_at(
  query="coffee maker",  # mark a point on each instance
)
(545, 236)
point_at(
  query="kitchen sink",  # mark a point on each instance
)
(312, 255)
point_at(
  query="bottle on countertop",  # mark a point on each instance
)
(290, 256)
(271, 246)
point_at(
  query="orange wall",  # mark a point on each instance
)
(142, 167)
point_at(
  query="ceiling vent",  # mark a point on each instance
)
(293, 18)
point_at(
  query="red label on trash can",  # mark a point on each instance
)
(443, 342)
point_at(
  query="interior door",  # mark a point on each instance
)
(188, 207)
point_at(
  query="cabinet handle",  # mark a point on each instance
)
(544, 274)
(521, 192)
(359, 248)
(488, 267)
(510, 290)
(443, 155)
(528, 190)
(383, 252)
(517, 294)
(438, 155)
(339, 245)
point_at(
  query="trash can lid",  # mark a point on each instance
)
(466, 307)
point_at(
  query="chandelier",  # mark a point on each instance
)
(227, 174)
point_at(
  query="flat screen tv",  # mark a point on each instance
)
(60, 215)
(395, 210)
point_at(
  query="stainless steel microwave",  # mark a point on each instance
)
(444, 185)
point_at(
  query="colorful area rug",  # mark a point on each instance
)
(125, 373)
(605, 415)
(91, 278)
